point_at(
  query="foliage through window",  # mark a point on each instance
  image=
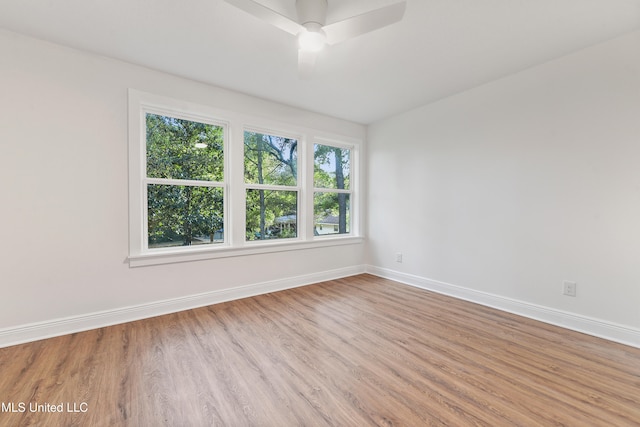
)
(185, 179)
(198, 190)
(271, 179)
(332, 192)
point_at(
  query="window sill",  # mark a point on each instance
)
(196, 254)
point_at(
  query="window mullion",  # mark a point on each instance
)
(237, 192)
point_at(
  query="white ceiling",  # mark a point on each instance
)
(440, 48)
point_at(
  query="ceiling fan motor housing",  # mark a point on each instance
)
(311, 12)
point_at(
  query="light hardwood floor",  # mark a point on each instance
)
(358, 351)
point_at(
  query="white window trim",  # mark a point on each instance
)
(234, 186)
(353, 191)
(299, 188)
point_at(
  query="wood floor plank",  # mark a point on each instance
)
(357, 351)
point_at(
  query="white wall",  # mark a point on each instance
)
(64, 203)
(500, 193)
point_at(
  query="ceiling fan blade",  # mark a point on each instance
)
(270, 16)
(306, 62)
(361, 24)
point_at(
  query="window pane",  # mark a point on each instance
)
(182, 149)
(184, 215)
(331, 213)
(272, 214)
(331, 167)
(270, 159)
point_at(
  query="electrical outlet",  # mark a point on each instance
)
(399, 257)
(569, 288)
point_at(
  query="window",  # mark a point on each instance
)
(332, 190)
(184, 182)
(208, 183)
(271, 177)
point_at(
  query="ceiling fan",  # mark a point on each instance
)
(310, 26)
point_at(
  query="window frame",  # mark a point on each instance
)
(353, 223)
(298, 188)
(234, 186)
(146, 180)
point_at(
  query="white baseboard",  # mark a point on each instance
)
(599, 328)
(68, 325)
(41, 330)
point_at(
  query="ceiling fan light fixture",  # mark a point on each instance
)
(310, 29)
(312, 38)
